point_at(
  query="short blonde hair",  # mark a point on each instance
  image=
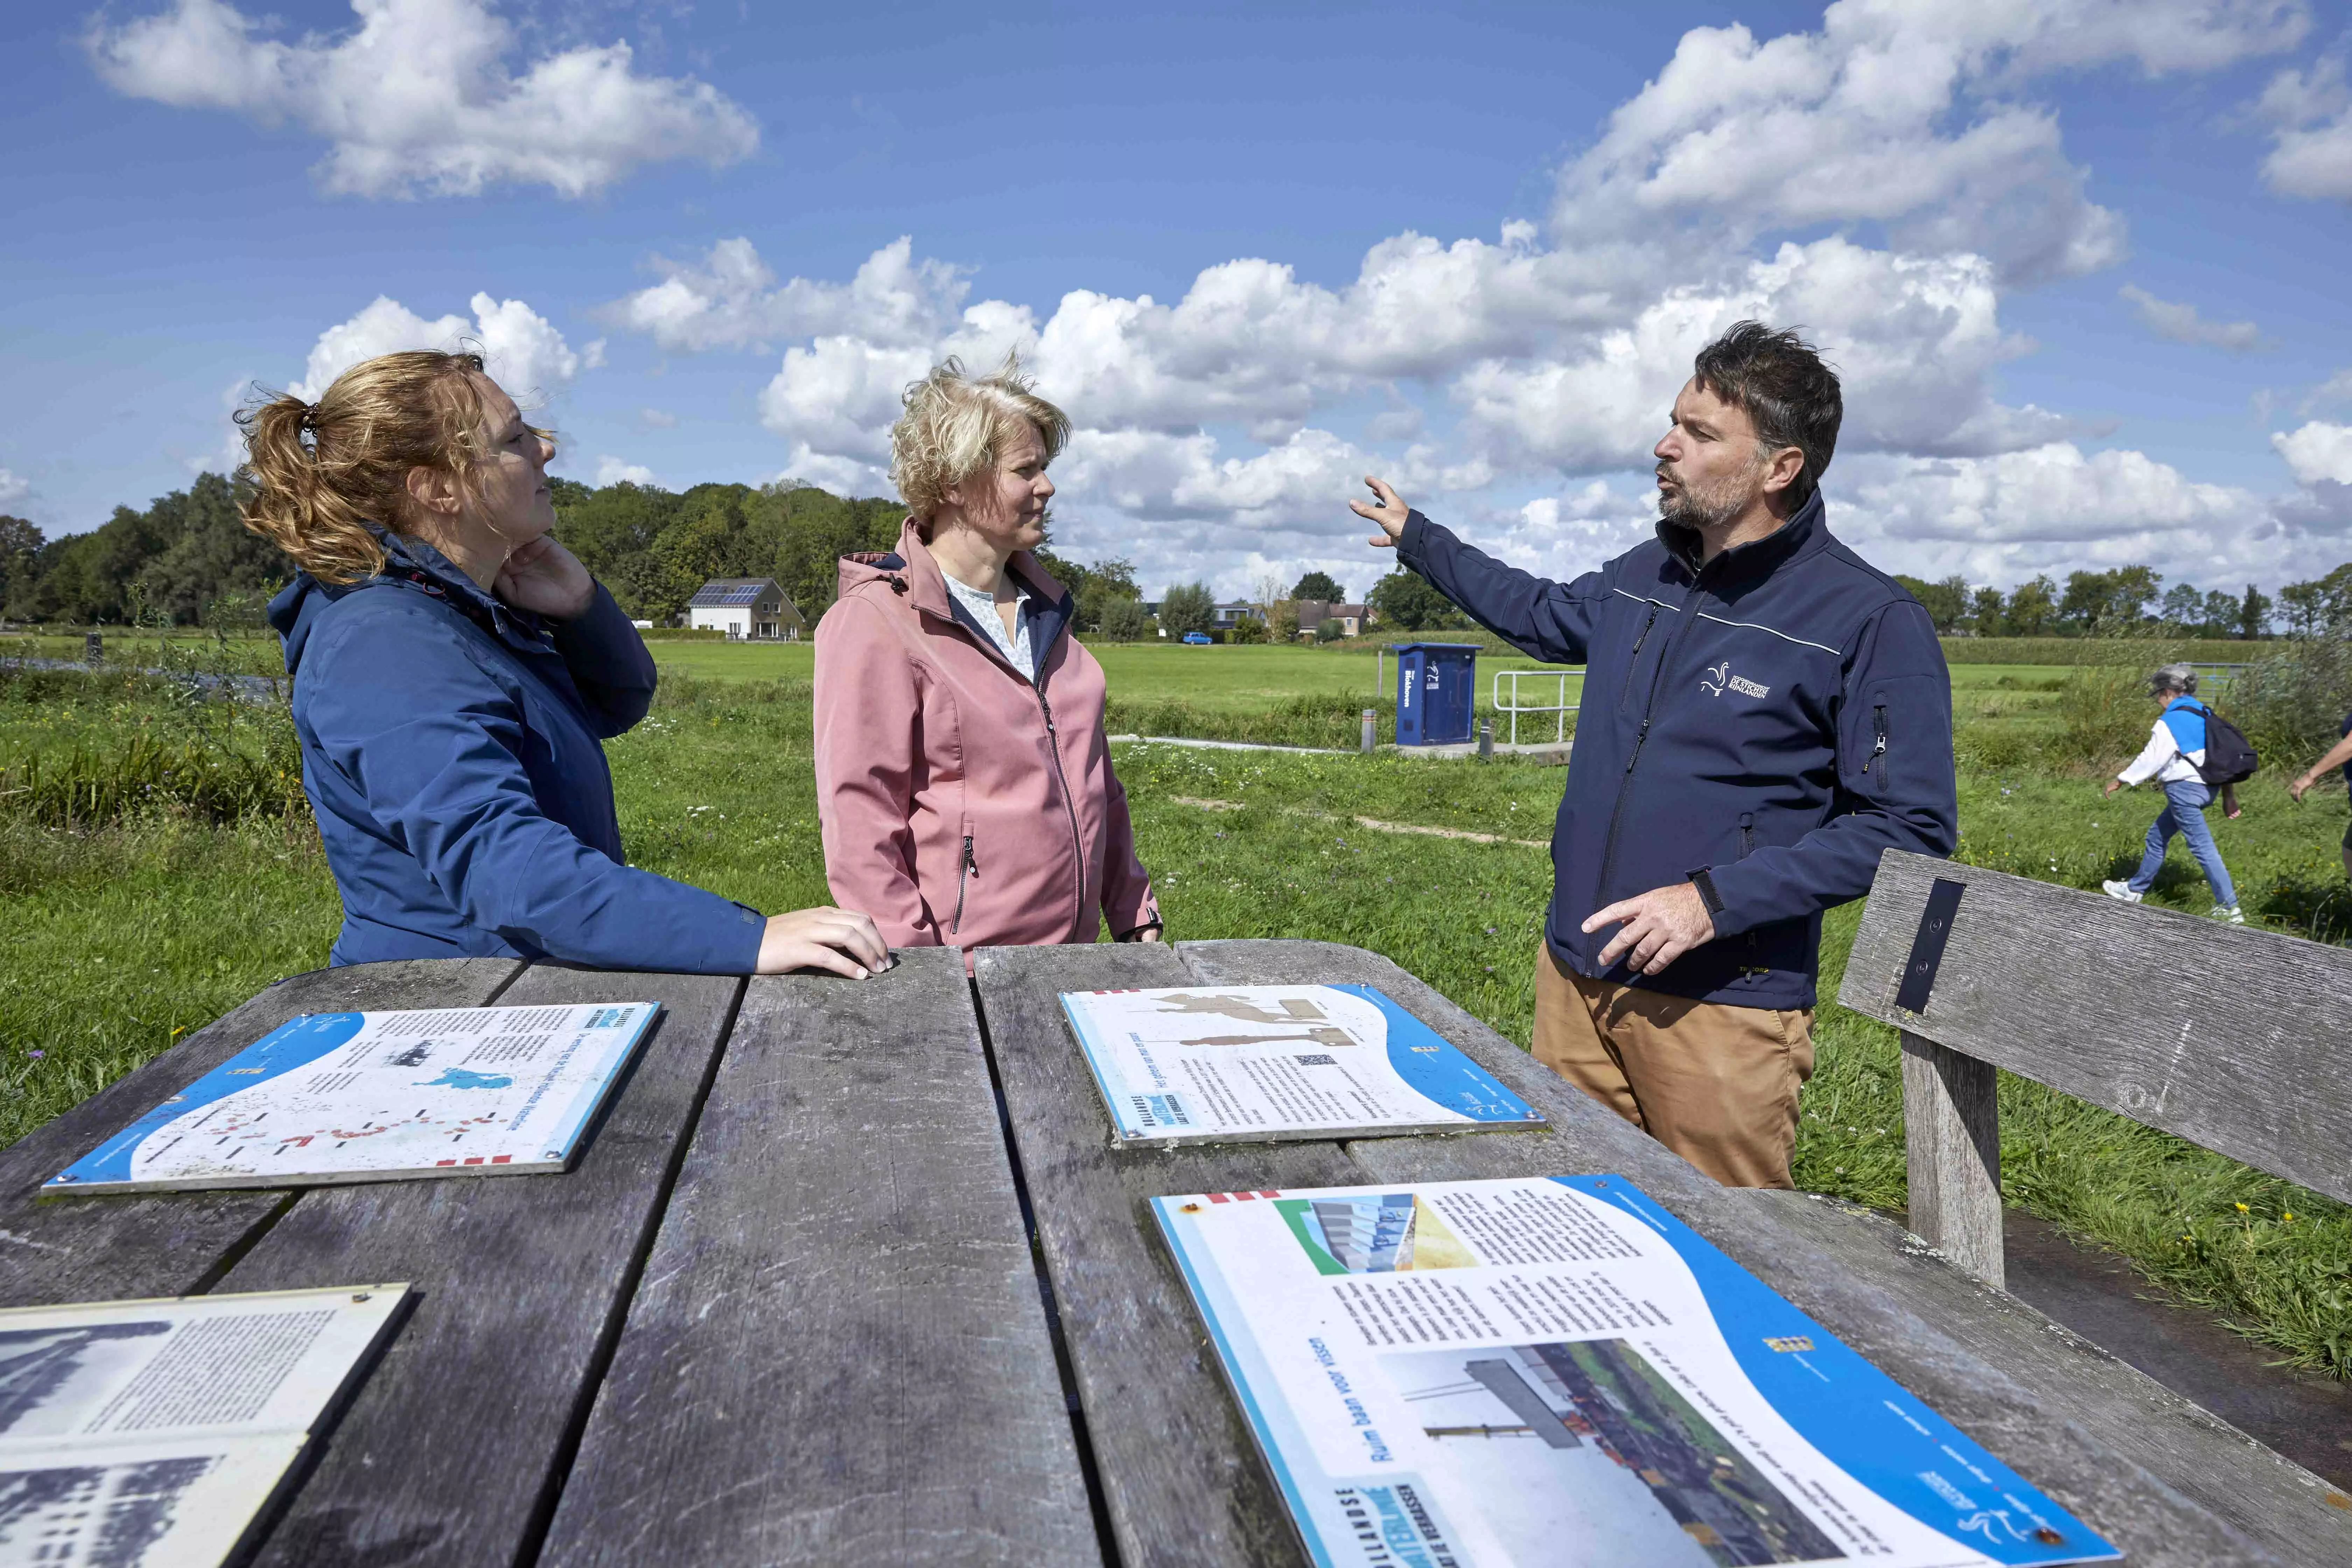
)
(315, 498)
(956, 424)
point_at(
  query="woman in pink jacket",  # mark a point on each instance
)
(964, 783)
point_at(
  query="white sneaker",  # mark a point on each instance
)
(2120, 890)
(2229, 912)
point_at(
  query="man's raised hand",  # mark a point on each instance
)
(1659, 926)
(1389, 514)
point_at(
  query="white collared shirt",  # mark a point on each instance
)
(1014, 646)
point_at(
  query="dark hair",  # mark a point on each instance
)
(1787, 391)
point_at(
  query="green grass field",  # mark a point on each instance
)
(123, 933)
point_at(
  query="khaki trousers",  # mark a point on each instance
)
(1715, 1084)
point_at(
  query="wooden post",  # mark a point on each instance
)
(1952, 1134)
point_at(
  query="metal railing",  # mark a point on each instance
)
(1562, 709)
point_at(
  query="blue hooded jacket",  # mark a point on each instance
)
(450, 752)
(1762, 726)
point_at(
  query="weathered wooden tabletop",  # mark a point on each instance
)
(852, 1272)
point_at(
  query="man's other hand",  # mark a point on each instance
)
(1389, 514)
(1659, 926)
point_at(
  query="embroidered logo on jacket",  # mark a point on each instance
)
(1720, 679)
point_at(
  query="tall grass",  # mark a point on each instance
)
(107, 747)
(2292, 701)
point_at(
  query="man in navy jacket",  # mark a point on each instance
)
(1763, 713)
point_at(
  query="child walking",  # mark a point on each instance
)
(2175, 749)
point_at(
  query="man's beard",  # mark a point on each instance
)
(1705, 507)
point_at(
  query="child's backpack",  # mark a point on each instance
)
(2229, 757)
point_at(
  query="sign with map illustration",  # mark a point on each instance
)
(157, 1434)
(1232, 1063)
(1556, 1369)
(372, 1097)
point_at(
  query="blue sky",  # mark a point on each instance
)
(2080, 261)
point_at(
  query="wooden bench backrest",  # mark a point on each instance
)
(2237, 1039)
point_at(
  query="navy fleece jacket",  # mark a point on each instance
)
(1774, 721)
(460, 789)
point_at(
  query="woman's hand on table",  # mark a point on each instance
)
(840, 941)
(546, 578)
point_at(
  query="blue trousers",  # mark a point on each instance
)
(2185, 801)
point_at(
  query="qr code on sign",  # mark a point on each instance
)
(1317, 1061)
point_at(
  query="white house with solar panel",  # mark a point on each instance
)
(748, 609)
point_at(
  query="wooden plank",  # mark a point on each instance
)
(452, 1451)
(839, 1355)
(1934, 1348)
(2087, 1428)
(97, 1249)
(1180, 1472)
(2231, 1038)
(1951, 1137)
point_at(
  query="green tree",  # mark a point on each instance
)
(2033, 607)
(20, 541)
(1320, 585)
(1985, 614)
(2220, 618)
(1125, 620)
(1404, 599)
(1945, 602)
(2253, 614)
(1187, 607)
(2322, 607)
(2184, 607)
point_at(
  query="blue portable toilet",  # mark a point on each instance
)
(1436, 688)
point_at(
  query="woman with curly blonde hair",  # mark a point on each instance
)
(455, 669)
(964, 783)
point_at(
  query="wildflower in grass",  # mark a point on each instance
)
(36, 1056)
(2242, 1209)
(2288, 1216)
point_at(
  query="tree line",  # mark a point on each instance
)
(2125, 599)
(187, 558)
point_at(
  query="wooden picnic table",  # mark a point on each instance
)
(852, 1272)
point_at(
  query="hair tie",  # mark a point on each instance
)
(309, 420)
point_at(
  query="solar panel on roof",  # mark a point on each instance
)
(720, 593)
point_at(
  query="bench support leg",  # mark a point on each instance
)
(1952, 1135)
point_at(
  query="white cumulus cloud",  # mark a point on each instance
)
(2310, 112)
(2317, 453)
(611, 471)
(2184, 324)
(525, 353)
(14, 488)
(424, 97)
(1904, 115)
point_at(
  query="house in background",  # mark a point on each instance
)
(751, 610)
(1313, 613)
(1237, 612)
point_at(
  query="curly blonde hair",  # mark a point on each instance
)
(325, 471)
(956, 424)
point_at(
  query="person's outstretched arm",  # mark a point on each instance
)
(2161, 747)
(2337, 755)
(1543, 619)
(434, 742)
(866, 712)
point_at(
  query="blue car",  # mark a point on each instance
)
(1203, 638)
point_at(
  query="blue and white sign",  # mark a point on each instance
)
(1555, 1370)
(366, 1096)
(1237, 1063)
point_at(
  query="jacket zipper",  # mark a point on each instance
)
(1748, 848)
(1633, 659)
(963, 876)
(1878, 746)
(1077, 845)
(1649, 711)
(1054, 745)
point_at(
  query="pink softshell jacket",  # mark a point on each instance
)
(960, 804)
